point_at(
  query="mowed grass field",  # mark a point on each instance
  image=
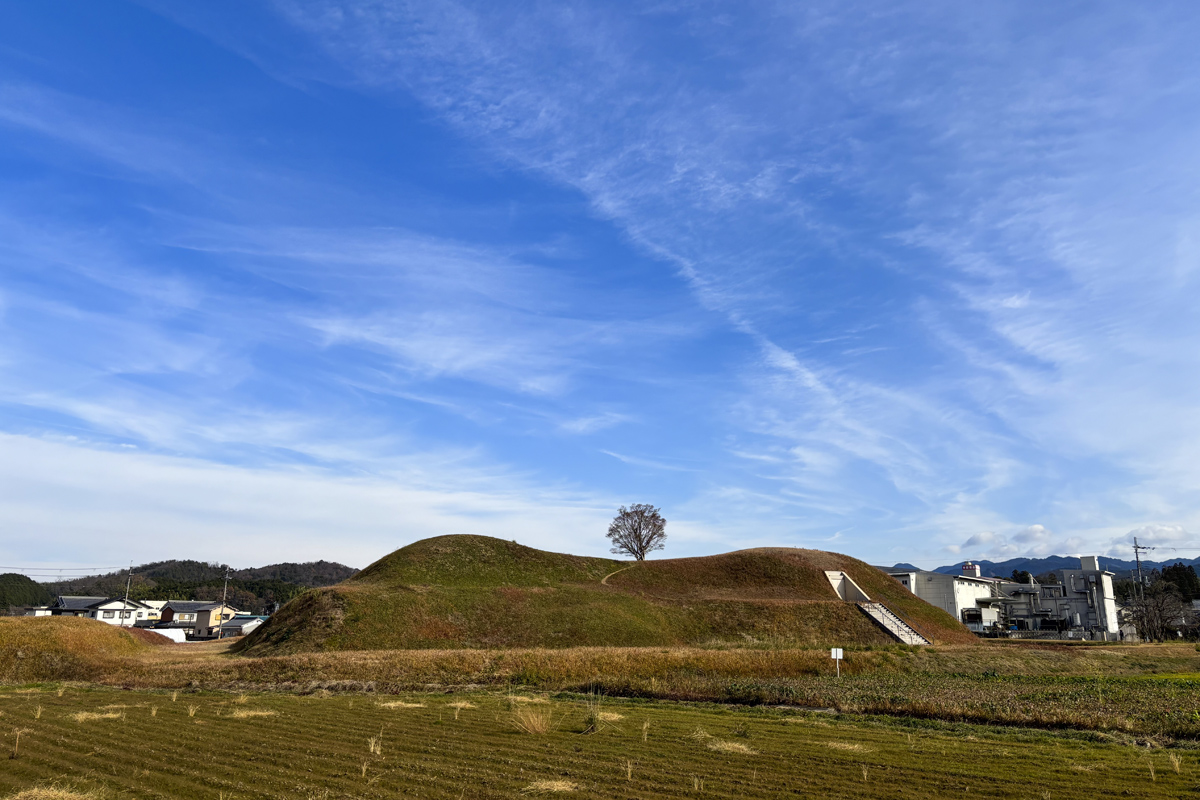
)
(109, 743)
(1150, 692)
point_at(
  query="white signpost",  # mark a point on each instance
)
(836, 655)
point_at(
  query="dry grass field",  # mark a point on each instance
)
(1146, 691)
(78, 743)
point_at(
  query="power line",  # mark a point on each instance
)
(57, 570)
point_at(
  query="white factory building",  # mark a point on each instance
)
(1081, 604)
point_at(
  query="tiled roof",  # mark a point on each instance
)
(76, 603)
(189, 606)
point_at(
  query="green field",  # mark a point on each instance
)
(109, 743)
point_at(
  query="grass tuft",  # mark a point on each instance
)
(722, 746)
(250, 713)
(549, 787)
(89, 716)
(533, 720)
(399, 704)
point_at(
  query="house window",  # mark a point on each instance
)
(109, 614)
(126, 614)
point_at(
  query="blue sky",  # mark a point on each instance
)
(295, 280)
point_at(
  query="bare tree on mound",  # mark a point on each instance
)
(637, 530)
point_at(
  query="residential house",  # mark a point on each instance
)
(241, 625)
(73, 605)
(155, 609)
(199, 619)
(114, 611)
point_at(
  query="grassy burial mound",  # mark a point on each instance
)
(62, 648)
(475, 591)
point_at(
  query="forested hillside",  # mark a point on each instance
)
(18, 590)
(253, 589)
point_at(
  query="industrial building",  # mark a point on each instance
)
(1080, 605)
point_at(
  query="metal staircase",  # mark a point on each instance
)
(891, 623)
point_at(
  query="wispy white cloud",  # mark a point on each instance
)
(1063, 323)
(951, 250)
(94, 502)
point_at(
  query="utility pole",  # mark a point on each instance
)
(125, 602)
(224, 594)
(1137, 554)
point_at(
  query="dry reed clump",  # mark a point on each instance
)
(52, 793)
(88, 716)
(399, 704)
(855, 746)
(533, 720)
(722, 746)
(249, 713)
(518, 698)
(549, 787)
(459, 706)
(596, 720)
(1176, 763)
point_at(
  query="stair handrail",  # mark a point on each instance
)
(893, 615)
(912, 625)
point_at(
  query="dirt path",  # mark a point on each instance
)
(604, 580)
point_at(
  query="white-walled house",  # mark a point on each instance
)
(114, 611)
(154, 609)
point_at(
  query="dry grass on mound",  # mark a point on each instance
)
(52, 793)
(473, 591)
(59, 648)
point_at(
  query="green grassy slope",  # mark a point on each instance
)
(475, 591)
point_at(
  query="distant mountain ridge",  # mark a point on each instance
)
(1040, 566)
